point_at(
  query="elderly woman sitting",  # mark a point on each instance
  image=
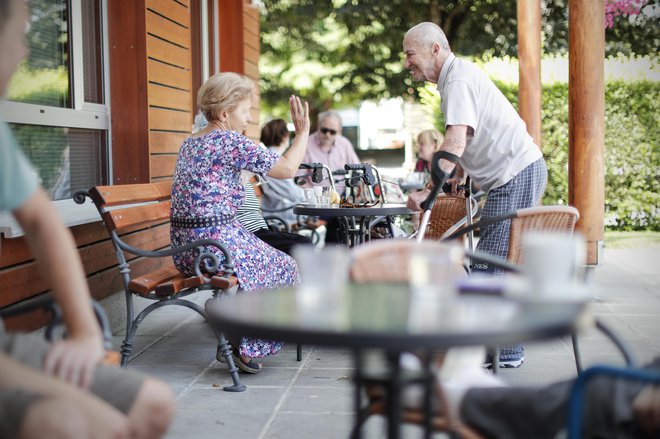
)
(207, 191)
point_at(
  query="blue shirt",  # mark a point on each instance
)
(18, 179)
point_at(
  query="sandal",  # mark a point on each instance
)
(249, 367)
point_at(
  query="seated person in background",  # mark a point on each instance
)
(613, 407)
(329, 147)
(207, 191)
(428, 142)
(249, 215)
(60, 389)
(279, 194)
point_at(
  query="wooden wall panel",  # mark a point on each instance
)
(167, 97)
(171, 104)
(251, 50)
(168, 30)
(169, 120)
(163, 165)
(163, 141)
(128, 76)
(164, 74)
(167, 52)
(174, 10)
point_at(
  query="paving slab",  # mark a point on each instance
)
(313, 398)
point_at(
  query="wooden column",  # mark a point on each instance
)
(529, 58)
(586, 121)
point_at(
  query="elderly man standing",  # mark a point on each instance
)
(486, 133)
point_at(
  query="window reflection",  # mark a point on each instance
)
(67, 159)
(43, 78)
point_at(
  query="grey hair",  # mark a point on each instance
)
(329, 114)
(223, 92)
(429, 33)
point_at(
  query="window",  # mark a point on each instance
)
(56, 104)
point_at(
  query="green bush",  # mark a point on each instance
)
(632, 153)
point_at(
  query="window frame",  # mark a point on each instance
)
(84, 115)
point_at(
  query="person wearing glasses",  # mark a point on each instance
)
(329, 147)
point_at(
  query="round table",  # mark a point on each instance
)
(394, 319)
(354, 221)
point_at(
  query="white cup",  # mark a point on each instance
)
(551, 262)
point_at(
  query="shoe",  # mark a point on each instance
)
(511, 357)
(249, 367)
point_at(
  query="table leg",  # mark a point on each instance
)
(394, 396)
(357, 430)
(428, 395)
(363, 230)
(344, 230)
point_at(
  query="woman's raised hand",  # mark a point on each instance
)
(299, 114)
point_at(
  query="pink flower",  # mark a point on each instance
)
(614, 8)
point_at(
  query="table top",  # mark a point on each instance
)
(392, 317)
(334, 210)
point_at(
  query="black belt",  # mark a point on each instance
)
(204, 222)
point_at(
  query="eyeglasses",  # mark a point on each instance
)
(328, 130)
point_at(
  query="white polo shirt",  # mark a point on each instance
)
(501, 146)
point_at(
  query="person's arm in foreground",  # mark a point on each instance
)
(75, 358)
(287, 165)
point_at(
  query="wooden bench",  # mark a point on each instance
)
(134, 209)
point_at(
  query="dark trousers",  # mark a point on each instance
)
(533, 412)
(283, 241)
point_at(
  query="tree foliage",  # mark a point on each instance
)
(336, 52)
(632, 151)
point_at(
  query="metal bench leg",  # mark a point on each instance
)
(225, 348)
(299, 352)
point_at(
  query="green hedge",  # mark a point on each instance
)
(632, 151)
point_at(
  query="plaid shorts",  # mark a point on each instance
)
(522, 191)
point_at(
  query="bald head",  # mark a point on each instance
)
(426, 48)
(428, 33)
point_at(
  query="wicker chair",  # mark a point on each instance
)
(560, 219)
(387, 261)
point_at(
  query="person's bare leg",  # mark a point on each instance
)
(64, 418)
(152, 411)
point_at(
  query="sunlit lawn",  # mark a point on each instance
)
(632, 239)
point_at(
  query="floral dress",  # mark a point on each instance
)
(207, 185)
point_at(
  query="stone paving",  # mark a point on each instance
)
(313, 398)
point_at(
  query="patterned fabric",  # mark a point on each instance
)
(249, 214)
(207, 183)
(524, 190)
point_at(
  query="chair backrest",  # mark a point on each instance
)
(137, 205)
(447, 211)
(542, 218)
(387, 260)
